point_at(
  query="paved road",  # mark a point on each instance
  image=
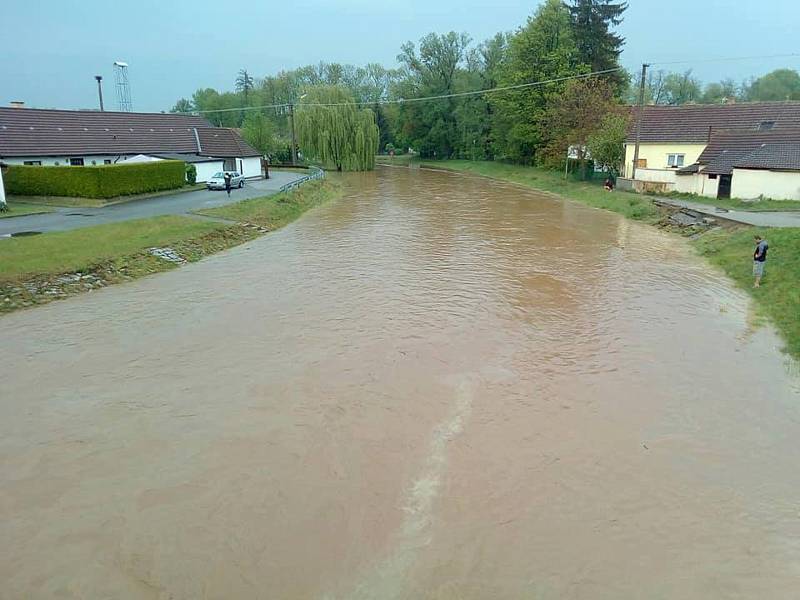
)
(175, 204)
(759, 219)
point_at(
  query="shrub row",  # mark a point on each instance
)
(106, 181)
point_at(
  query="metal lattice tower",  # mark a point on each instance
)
(124, 102)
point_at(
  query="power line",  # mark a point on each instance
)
(421, 99)
(730, 58)
(490, 90)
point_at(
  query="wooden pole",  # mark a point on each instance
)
(639, 118)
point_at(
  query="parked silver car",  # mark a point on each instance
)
(217, 182)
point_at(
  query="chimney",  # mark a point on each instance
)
(17, 104)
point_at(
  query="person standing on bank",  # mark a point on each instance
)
(228, 184)
(759, 259)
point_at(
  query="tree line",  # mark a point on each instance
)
(531, 125)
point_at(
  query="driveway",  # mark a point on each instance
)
(175, 204)
(758, 219)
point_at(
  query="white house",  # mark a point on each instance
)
(77, 138)
(675, 150)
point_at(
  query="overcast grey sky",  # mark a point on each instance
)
(51, 49)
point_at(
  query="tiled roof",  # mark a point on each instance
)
(773, 156)
(35, 132)
(219, 141)
(690, 123)
(729, 149)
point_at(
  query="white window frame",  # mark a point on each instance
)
(676, 160)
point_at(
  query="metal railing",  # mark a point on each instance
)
(314, 173)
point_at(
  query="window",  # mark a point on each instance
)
(76, 162)
(675, 160)
(766, 125)
(712, 176)
(107, 161)
(229, 164)
(33, 163)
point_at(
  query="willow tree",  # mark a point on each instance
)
(334, 130)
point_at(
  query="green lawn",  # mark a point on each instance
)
(17, 209)
(633, 206)
(76, 250)
(778, 298)
(273, 212)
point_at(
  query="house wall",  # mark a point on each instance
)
(657, 175)
(752, 183)
(64, 160)
(249, 167)
(656, 154)
(206, 170)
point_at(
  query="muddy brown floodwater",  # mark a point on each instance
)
(437, 387)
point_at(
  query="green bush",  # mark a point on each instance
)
(106, 181)
(191, 174)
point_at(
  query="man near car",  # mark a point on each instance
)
(759, 259)
(228, 183)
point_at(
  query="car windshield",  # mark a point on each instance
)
(218, 175)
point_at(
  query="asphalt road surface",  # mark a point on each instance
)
(173, 204)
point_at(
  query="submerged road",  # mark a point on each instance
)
(173, 204)
(438, 387)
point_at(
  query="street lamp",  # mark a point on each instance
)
(294, 137)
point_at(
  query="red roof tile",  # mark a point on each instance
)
(36, 132)
(690, 123)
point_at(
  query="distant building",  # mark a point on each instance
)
(75, 137)
(708, 150)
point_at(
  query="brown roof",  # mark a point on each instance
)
(784, 157)
(729, 149)
(690, 123)
(36, 132)
(220, 141)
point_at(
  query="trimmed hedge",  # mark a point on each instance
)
(105, 181)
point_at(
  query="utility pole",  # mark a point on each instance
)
(99, 79)
(3, 204)
(294, 138)
(639, 118)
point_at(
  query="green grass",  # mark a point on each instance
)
(273, 212)
(17, 209)
(778, 298)
(79, 249)
(633, 206)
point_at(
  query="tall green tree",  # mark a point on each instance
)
(341, 135)
(781, 84)
(607, 143)
(598, 46)
(680, 88)
(719, 92)
(544, 49)
(182, 106)
(430, 127)
(575, 117)
(258, 131)
(244, 84)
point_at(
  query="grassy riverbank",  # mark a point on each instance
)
(41, 268)
(778, 299)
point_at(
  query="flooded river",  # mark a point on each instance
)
(437, 387)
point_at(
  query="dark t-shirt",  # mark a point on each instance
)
(760, 254)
